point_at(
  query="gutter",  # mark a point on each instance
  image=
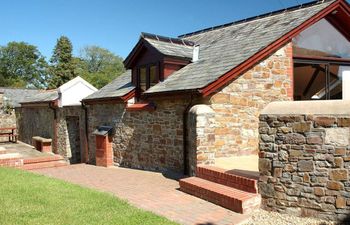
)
(170, 94)
(51, 106)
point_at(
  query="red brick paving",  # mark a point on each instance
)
(148, 190)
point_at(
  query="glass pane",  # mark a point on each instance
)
(143, 78)
(309, 81)
(335, 82)
(153, 76)
(323, 40)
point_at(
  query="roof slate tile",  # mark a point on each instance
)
(225, 48)
(117, 88)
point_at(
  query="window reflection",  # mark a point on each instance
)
(143, 78)
(153, 76)
(322, 40)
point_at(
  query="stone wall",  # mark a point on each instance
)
(238, 105)
(67, 131)
(142, 139)
(305, 158)
(7, 117)
(34, 121)
(201, 136)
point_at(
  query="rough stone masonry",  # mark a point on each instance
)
(305, 159)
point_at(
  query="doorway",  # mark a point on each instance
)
(73, 140)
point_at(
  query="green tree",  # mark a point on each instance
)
(99, 66)
(62, 67)
(22, 65)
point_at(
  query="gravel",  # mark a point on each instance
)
(262, 217)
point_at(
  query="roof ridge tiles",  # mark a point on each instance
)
(261, 16)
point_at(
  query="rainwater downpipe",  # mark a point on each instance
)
(86, 154)
(52, 106)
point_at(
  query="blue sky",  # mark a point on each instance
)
(116, 25)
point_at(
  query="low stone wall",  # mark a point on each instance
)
(305, 158)
(7, 117)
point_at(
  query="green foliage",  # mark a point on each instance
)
(98, 65)
(22, 65)
(31, 199)
(62, 68)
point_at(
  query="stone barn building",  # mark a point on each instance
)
(192, 99)
(196, 99)
(57, 114)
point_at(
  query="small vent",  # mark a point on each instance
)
(195, 56)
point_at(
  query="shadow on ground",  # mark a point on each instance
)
(169, 174)
(173, 175)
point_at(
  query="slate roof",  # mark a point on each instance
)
(169, 48)
(13, 96)
(42, 96)
(117, 88)
(222, 49)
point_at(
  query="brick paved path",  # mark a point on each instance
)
(148, 190)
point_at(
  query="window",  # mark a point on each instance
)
(321, 63)
(147, 77)
(143, 79)
(319, 81)
(153, 78)
(321, 39)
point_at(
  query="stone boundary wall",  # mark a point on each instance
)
(238, 105)
(305, 158)
(7, 117)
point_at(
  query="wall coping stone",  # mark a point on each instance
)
(320, 107)
(201, 109)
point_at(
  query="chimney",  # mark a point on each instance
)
(195, 55)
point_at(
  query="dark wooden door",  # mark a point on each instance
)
(74, 138)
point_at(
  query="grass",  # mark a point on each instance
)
(27, 198)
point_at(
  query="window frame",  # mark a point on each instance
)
(324, 61)
(148, 76)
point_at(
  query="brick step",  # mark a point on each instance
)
(227, 178)
(43, 159)
(11, 162)
(42, 165)
(228, 197)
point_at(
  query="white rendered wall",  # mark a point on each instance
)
(346, 83)
(74, 94)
